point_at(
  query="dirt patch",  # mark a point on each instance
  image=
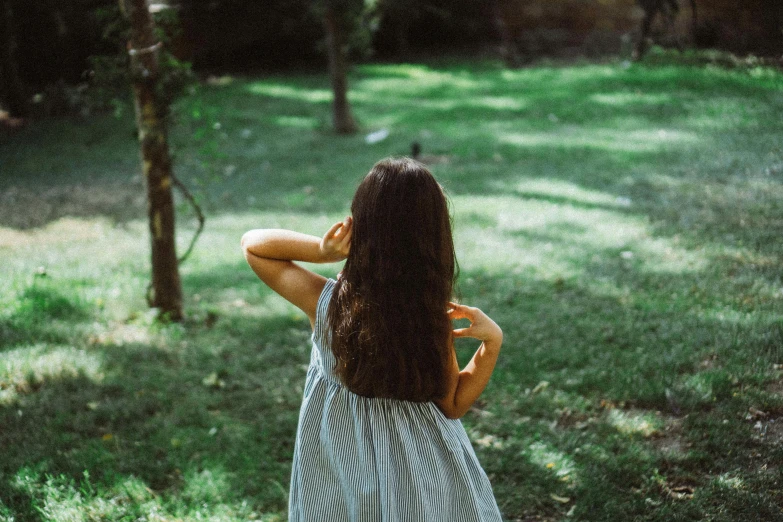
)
(23, 208)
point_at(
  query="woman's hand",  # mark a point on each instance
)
(336, 243)
(481, 326)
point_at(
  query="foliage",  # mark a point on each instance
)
(353, 16)
(109, 73)
(620, 222)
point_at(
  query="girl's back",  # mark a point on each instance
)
(378, 459)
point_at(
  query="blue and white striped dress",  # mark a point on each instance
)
(363, 459)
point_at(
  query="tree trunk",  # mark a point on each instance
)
(694, 19)
(508, 45)
(341, 109)
(11, 88)
(151, 120)
(644, 32)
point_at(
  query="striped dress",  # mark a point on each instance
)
(363, 459)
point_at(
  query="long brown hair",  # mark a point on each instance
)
(387, 317)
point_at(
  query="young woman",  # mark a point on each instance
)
(379, 436)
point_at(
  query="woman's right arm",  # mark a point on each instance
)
(464, 387)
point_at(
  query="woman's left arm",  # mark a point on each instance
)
(271, 254)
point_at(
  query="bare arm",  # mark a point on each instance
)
(465, 386)
(271, 254)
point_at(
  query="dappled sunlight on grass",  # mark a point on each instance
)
(563, 191)
(556, 462)
(562, 239)
(556, 76)
(25, 369)
(65, 229)
(619, 99)
(205, 495)
(602, 139)
(634, 423)
(621, 225)
(498, 102)
(276, 90)
(298, 122)
(410, 79)
(725, 480)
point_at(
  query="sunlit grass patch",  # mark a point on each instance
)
(276, 90)
(556, 462)
(634, 423)
(602, 139)
(553, 230)
(726, 480)
(413, 78)
(299, 122)
(700, 389)
(25, 369)
(498, 102)
(564, 191)
(631, 98)
(558, 76)
(64, 499)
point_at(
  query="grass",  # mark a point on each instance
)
(622, 224)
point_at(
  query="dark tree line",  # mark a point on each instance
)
(49, 40)
(11, 88)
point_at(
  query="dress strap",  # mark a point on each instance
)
(321, 309)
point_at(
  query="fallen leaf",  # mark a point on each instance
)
(681, 492)
(541, 386)
(213, 381)
(557, 498)
(755, 413)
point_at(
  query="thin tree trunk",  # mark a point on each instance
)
(11, 88)
(508, 45)
(151, 121)
(66, 51)
(642, 44)
(341, 109)
(694, 20)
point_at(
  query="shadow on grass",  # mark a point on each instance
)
(202, 398)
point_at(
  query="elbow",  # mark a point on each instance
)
(250, 239)
(244, 242)
(452, 410)
(455, 414)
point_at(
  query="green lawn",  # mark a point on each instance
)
(622, 224)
